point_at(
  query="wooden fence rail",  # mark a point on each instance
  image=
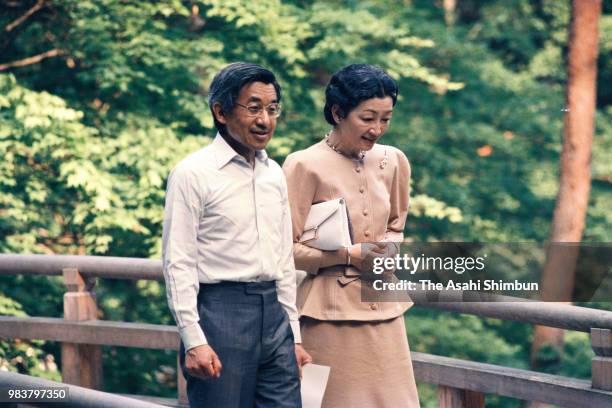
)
(450, 373)
(461, 384)
(546, 314)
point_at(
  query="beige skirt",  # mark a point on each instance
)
(370, 362)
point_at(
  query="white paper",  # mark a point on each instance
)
(299, 277)
(314, 381)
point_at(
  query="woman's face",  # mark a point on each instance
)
(365, 124)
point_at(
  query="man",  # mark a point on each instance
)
(228, 261)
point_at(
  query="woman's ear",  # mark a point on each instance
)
(219, 115)
(337, 114)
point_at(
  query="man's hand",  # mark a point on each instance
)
(203, 362)
(302, 357)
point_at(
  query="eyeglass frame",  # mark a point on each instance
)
(261, 109)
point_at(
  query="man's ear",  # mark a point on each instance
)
(219, 115)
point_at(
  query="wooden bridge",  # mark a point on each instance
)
(460, 383)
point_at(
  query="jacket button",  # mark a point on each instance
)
(361, 189)
(373, 306)
(365, 212)
(366, 233)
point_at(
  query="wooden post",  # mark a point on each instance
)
(181, 382)
(81, 363)
(449, 397)
(601, 368)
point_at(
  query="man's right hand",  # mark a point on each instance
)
(203, 362)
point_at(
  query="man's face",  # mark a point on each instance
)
(253, 132)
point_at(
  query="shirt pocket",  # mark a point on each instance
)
(272, 213)
(232, 222)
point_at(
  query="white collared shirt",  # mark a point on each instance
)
(225, 220)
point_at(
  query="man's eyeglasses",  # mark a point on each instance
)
(254, 109)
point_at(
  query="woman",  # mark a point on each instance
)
(364, 342)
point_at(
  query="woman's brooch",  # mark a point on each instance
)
(384, 161)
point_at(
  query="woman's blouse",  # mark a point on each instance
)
(376, 191)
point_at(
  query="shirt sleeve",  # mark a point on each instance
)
(179, 246)
(400, 199)
(286, 287)
(301, 190)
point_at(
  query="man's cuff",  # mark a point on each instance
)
(192, 336)
(295, 328)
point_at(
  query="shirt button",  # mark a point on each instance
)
(361, 189)
(365, 212)
(373, 306)
(357, 169)
(367, 233)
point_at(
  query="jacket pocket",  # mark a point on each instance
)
(345, 280)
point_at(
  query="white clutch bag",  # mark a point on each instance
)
(327, 226)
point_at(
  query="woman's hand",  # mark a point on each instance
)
(362, 255)
(390, 250)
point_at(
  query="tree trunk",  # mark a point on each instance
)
(450, 7)
(575, 179)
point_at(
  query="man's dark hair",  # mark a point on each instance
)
(354, 84)
(226, 86)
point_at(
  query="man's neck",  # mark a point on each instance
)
(241, 149)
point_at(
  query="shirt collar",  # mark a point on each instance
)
(224, 152)
(262, 155)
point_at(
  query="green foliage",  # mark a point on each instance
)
(468, 338)
(574, 360)
(143, 372)
(9, 307)
(68, 189)
(577, 356)
(43, 142)
(465, 337)
(24, 356)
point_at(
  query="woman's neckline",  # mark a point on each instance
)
(360, 158)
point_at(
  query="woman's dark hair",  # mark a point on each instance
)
(226, 86)
(354, 84)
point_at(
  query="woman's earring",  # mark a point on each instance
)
(336, 115)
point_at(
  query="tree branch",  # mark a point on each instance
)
(32, 60)
(39, 4)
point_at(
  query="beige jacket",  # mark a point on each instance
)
(376, 191)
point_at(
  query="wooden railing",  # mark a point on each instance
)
(460, 383)
(80, 332)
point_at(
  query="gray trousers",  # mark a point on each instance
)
(249, 330)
